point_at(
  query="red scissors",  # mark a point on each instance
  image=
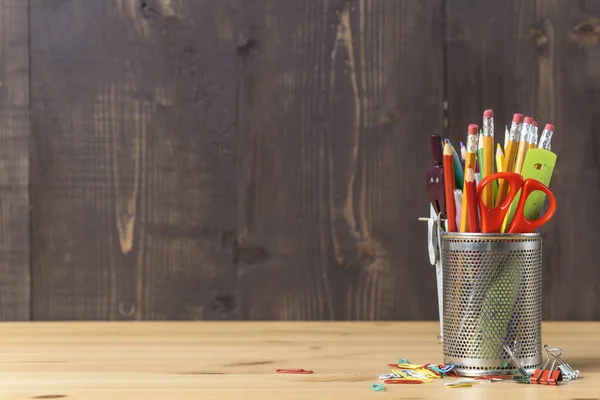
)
(492, 218)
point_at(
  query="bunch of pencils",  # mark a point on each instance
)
(461, 176)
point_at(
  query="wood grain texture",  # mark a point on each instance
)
(14, 161)
(540, 59)
(229, 360)
(337, 101)
(133, 110)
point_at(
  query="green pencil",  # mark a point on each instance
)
(459, 177)
(480, 151)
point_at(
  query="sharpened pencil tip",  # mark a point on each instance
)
(447, 150)
(470, 175)
(499, 151)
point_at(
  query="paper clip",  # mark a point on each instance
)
(464, 383)
(446, 368)
(492, 378)
(294, 371)
(403, 361)
(441, 370)
(387, 376)
(406, 375)
(422, 377)
(403, 381)
(377, 387)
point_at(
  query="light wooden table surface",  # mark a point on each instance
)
(237, 360)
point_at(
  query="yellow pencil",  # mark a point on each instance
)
(488, 156)
(523, 144)
(533, 136)
(510, 151)
(499, 158)
(470, 160)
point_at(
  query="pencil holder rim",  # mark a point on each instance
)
(495, 236)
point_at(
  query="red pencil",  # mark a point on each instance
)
(449, 188)
(471, 189)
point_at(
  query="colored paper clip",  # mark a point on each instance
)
(294, 371)
(408, 375)
(403, 361)
(464, 383)
(387, 376)
(492, 378)
(422, 377)
(443, 370)
(403, 381)
(377, 387)
(435, 372)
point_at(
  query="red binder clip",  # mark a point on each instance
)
(548, 376)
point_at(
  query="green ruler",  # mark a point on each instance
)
(539, 165)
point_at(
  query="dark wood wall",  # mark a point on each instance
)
(231, 159)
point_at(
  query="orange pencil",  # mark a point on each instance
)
(449, 188)
(471, 190)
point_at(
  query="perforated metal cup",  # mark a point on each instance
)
(492, 296)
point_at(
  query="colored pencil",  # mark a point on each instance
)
(449, 188)
(488, 155)
(499, 158)
(471, 191)
(480, 154)
(458, 171)
(471, 159)
(458, 196)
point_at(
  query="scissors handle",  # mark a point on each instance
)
(493, 217)
(520, 223)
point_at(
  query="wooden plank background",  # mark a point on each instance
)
(225, 159)
(15, 286)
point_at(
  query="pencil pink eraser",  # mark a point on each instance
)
(472, 129)
(534, 123)
(528, 120)
(518, 118)
(549, 127)
(488, 114)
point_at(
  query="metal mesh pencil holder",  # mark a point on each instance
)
(492, 295)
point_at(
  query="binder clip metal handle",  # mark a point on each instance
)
(434, 247)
